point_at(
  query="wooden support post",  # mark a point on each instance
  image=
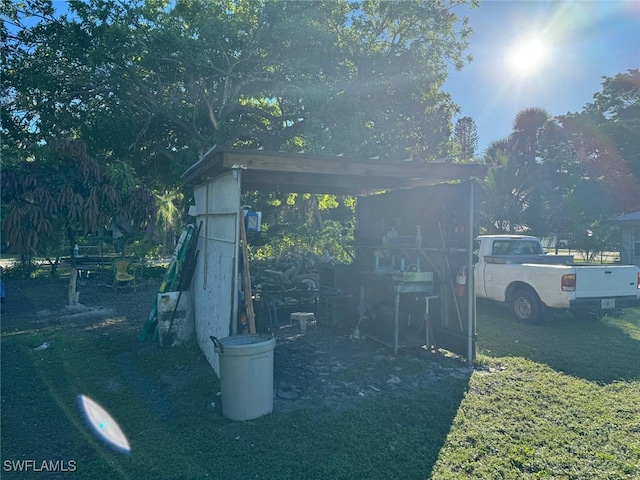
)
(248, 300)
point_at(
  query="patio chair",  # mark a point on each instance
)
(122, 269)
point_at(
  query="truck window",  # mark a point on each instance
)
(524, 247)
(500, 247)
(521, 248)
(516, 247)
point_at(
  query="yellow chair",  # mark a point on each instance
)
(121, 268)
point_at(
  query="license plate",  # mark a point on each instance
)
(607, 303)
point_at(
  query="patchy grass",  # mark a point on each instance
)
(559, 400)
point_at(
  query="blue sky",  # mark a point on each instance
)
(582, 42)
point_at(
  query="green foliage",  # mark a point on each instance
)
(618, 108)
(282, 242)
(56, 190)
(294, 224)
(170, 209)
(155, 84)
(466, 138)
(570, 174)
(150, 86)
(500, 210)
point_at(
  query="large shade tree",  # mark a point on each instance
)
(57, 183)
(606, 140)
(161, 82)
(156, 83)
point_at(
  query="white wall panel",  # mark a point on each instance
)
(217, 208)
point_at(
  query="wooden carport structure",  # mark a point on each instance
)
(221, 175)
(338, 175)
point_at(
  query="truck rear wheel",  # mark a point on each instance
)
(526, 306)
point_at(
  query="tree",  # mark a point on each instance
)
(155, 84)
(614, 116)
(517, 190)
(158, 84)
(570, 174)
(466, 137)
(55, 190)
(559, 180)
(500, 209)
(527, 126)
(618, 108)
(168, 217)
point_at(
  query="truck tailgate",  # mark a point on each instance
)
(602, 281)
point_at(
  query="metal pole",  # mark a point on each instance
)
(471, 294)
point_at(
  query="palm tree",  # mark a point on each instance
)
(501, 209)
(527, 126)
(517, 188)
(527, 141)
(168, 217)
(494, 150)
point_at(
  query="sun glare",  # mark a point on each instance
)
(526, 57)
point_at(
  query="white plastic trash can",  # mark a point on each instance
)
(246, 375)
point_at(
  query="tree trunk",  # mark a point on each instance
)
(74, 295)
(316, 211)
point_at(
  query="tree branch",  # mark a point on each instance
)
(277, 140)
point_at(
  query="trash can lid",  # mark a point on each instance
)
(250, 343)
(246, 339)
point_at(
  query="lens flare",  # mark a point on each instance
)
(104, 425)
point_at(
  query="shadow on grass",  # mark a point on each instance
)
(166, 402)
(601, 351)
(162, 399)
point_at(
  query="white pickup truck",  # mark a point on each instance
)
(514, 269)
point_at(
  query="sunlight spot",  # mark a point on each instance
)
(526, 57)
(106, 323)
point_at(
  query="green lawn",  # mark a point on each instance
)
(559, 400)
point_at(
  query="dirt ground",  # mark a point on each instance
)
(316, 369)
(45, 300)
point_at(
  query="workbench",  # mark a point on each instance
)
(375, 287)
